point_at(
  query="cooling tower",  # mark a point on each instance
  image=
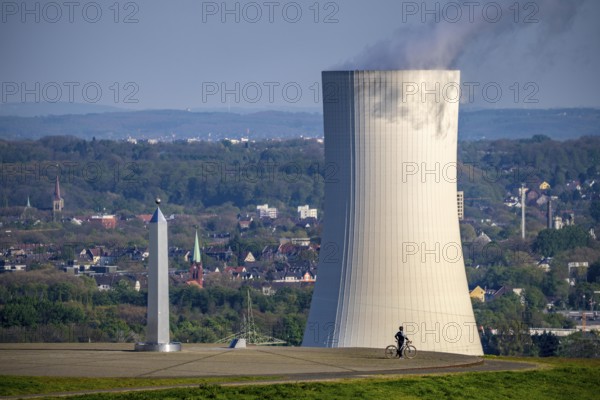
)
(391, 250)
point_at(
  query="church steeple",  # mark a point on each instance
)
(196, 271)
(57, 189)
(57, 202)
(196, 258)
(24, 214)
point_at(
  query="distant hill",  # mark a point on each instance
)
(166, 124)
(559, 124)
(58, 108)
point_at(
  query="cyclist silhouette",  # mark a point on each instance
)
(400, 338)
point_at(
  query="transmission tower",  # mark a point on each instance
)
(250, 332)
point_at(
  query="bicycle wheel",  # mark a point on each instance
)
(391, 351)
(410, 351)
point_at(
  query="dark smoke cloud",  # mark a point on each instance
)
(443, 44)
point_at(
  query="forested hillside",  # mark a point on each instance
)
(125, 177)
(119, 176)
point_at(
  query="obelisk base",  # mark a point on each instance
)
(158, 347)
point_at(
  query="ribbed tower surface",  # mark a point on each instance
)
(391, 251)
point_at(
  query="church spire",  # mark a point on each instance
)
(196, 270)
(57, 202)
(196, 257)
(57, 189)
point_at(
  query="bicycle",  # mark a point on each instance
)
(407, 350)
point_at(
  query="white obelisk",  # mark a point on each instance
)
(157, 328)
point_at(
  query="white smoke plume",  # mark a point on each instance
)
(443, 44)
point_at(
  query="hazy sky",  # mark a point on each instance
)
(270, 54)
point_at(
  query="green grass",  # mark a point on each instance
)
(552, 361)
(24, 385)
(559, 379)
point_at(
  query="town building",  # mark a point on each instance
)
(478, 293)
(264, 211)
(307, 212)
(104, 221)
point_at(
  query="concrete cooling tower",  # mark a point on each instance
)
(391, 252)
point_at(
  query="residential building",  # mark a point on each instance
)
(249, 258)
(244, 223)
(577, 269)
(104, 221)
(544, 264)
(544, 186)
(13, 268)
(493, 294)
(478, 293)
(145, 218)
(307, 212)
(264, 211)
(92, 255)
(304, 242)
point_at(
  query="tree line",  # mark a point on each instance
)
(49, 300)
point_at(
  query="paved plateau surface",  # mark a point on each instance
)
(284, 364)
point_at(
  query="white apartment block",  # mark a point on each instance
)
(306, 212)
(264, 211)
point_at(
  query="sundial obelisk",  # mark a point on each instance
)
(157, 325)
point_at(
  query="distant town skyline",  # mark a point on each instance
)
(269, 55)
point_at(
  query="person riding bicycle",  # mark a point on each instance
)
(401, 338)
